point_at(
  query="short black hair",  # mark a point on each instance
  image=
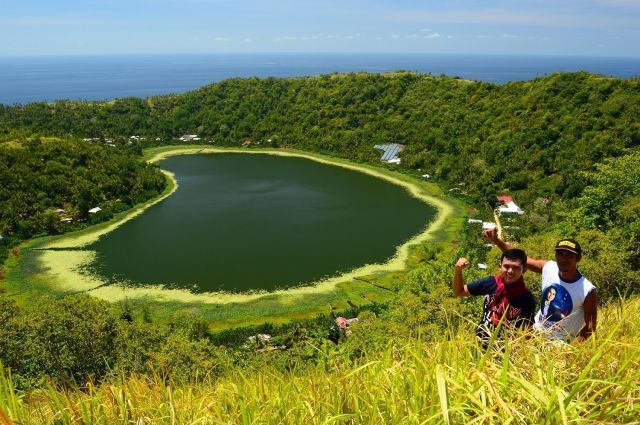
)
(515, 254)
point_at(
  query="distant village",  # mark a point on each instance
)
(112, 141)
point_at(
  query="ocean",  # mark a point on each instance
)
(48, 78)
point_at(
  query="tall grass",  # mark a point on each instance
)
(527, 380)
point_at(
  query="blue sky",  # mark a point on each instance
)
(561, 27)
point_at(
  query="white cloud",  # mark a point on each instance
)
(425, 30)
(222, 39)
(318, 36)
(508, 36)
(427, 36)
(248, 40)
(395, 36)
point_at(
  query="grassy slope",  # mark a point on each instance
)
(531, 381)
(27, 278)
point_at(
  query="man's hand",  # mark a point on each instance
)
(462, 263)
(458, 286)
(491, 235)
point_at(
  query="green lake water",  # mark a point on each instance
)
(239, 222)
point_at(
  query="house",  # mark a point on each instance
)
(506, 205)
(503, 200)
(425, 176)
(390, 152)
(189, 137)
(95, 210)
(486, 225)
(66, 220)
(475, 221)
(59, 210)
(247, 143)
(510, 208)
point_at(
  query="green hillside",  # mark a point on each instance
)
(565, 146)
(532, 138)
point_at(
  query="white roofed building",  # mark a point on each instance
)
(510, 208)
(189, 137)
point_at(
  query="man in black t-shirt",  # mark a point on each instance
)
(505, 294)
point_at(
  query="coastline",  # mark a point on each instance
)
(61, 268)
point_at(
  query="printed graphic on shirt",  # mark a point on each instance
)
(556, 303)
(494, 309)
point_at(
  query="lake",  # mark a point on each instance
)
(241, 222)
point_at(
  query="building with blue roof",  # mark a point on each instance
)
(390, 152)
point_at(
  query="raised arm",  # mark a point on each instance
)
(533, 264)
(458, 286)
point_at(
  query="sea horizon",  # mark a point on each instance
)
(47, 78)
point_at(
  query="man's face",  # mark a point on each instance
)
(511, 270)
(567, 261)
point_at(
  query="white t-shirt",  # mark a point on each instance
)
(561, 312)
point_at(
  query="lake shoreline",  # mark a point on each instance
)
(60, 269)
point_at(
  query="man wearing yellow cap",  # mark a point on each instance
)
(569, 307)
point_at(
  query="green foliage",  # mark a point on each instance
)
(532, 138)
(38, 178)
(527, 380)
(611, 203)
(182, 358)
(538, 140)
(71, 339)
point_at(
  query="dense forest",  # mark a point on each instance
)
(565, 146)
(50, 187)
(532, 138)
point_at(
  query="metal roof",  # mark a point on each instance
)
(389, 151)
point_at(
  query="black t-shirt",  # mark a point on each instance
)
(520, 310)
